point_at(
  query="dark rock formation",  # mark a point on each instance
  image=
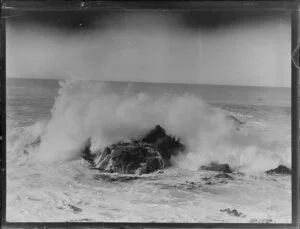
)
(133, 158)
(150, 153)
(165, 144)
(74, 208)
(223, 176)
(233, 212)
(86, 153)
(281, 169)
(217, 167)
(136, 158)
(155, 134)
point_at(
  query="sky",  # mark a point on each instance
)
(232, 48)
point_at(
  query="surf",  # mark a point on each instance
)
(106, 114)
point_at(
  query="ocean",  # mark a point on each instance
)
(48, 181)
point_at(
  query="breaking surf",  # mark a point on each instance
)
(45, 165)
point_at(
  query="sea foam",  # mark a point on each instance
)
(96, 110)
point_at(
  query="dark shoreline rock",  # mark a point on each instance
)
(148, 154)
(224, 176)
(281, 169)
(133, 158)
(74, 208)
(167, 145)
(233, 212)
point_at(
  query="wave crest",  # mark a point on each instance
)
(99, 111)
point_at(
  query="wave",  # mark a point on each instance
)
(96, 110)
(22, 139)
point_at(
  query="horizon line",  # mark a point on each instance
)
(187, 83)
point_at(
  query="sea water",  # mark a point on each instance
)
(48, 122)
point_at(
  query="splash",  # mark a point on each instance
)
(107, 113)
(19, 139)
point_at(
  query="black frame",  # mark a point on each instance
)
(14, 8)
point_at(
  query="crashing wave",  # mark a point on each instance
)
(108, 114)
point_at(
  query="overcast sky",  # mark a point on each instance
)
(153, 47)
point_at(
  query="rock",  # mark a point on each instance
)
(134, 158)
(233, 212)
(217, 167)
(74, 208)
(128, 159)
(155, 134)
(86, 152)
(165, 144)
(148, 154)
(224, 176)
(281, 169)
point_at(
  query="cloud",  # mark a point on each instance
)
(154, 48)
